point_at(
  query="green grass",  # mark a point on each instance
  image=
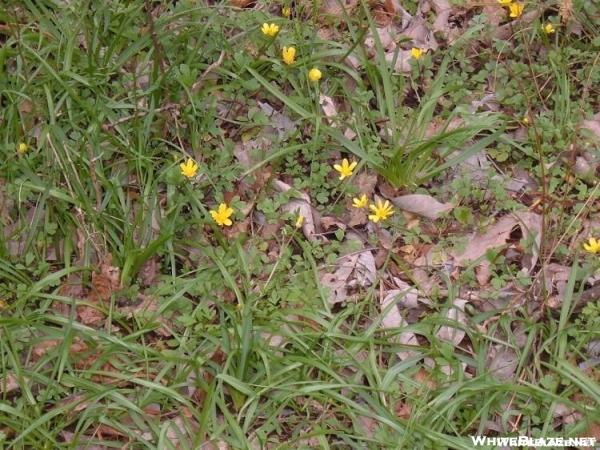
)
(241, 347)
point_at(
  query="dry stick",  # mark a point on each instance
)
(155, 42)
(198, 84)
(108, 126)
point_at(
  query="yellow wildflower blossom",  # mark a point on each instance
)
(345, 169)
(288, 55)
(22, 148)
(189, 168)
(516, 9)
(299, 220)
(381, 211)
(416, 53)
(286, 11)
(360, 202)
(592, 246)
(222, 214)
(314, 74)
(270, 30)
(548, 28)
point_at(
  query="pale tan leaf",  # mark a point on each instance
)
(502, 362)
(392, 319)
(456, 313)
(422, 205)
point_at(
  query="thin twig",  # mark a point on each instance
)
(155, 42)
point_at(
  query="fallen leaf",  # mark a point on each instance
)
(502, 362)
(400, 59)
(456, 313)
(328, 106)
(497, 235)
(442, 9)
(422, 205)
(8, 383)
(149, 271)
(392, 319)
(483, 272)
(300, 206)
(242, 3)
(593, 125)
(106, 281)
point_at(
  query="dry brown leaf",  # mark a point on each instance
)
(149, 272)
(105, 282)
(403, 410)
(502, 362)
(483, 272)
(300, 206)
(400, 59)
(8, 383)
(383, 13)
(442, 9)
(593, 125)
(422, 205)
(242, 3)
(89, 314)
(497, 235)
(328, 106)
(338, 8)
(393, 319)
(354, 269)
(456, 313)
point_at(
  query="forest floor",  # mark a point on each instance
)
(302, 224)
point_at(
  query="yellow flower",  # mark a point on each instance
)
(360, 202)
(286, 11)
(289, 55)
(416, 53)
(381, 211)
(269, 30)
(505, 2)
(593, 246)
(548, 28)
(299, 220)
(516, 9)
(189, 168)
(22, 148)
(222, 214)
(314, 74)
(525, 120)
(345, 169)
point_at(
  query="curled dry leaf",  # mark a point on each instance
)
(393, 319)
(456, 313)
(422, 205)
